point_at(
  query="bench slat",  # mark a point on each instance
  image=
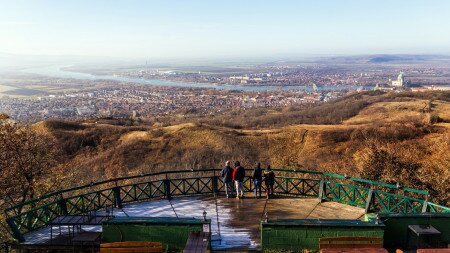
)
(350, 238)
(360, 250)
(130, 250)
(350, 242)
(197, 242)
(443, 250)
(130, 244)
(131, 247)
(350, 246)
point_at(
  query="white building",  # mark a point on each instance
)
(399, 82)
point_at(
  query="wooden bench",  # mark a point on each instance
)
(350, 242)
(198, 242)
(131, 247)
(362, 250)
(443, 250)
(82, 238)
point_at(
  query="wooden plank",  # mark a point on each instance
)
(131, 247)
(204, 244)
(197, 242)
(350, 238)
(349, 242)
(130, 250)
(443, 250)
(361, 250)
(350, 246)
(87, 237)
(130, 244)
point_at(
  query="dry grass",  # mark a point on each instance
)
(134, 136)
(390, 112)
(442, 110)
(109, 150)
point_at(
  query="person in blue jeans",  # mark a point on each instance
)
(257, 179)
(227, 177)
(238, 177)
(269, 178)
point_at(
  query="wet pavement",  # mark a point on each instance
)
(234, 222)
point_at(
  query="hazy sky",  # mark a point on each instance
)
(227, 28)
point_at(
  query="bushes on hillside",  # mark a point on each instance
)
(320, 114)
(27, 158)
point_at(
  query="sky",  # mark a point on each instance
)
(227, 28)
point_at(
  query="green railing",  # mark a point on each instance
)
(371, 195)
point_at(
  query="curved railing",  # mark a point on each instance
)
(372, 195)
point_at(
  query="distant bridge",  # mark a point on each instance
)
(373, 196)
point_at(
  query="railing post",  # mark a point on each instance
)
(322, 191)
(369, 200)
(286, 190)
(425, 205)
(62, 204)
(167, 189)
(15, 230)
(117, 198)
(215, 185)
(6, 247)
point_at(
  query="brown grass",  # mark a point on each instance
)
(402, 125)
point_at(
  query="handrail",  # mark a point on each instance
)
(51, 194)
(41, 214)
(339, 176)
(361, 180)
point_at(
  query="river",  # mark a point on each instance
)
(58, 72)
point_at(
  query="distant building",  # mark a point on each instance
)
(85, 111)
(314, 87)
(383, 87)
(399, 82)
(393, 85)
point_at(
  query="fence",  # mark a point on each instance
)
(37, 213)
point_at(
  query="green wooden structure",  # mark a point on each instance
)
(374, 196)
(396, 234)
(172, 232)
(299, 234)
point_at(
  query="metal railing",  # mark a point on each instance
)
(4, 247)
(371, 195)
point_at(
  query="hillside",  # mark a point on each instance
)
(391, 137)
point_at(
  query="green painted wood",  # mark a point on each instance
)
(167, 173)
(156, 220)
(361, 180)
(396, 234)
(297, 235)
(172, 232)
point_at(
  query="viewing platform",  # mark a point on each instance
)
(233, 224)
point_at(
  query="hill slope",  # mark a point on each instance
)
(391, 137)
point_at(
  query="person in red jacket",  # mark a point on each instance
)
(238, 177)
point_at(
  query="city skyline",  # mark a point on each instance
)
(196, 29)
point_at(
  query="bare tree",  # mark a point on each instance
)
(3, 117)
(26, 158)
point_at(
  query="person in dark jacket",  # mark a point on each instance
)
(269, 180)
(238, 177)
(257, 179)
(227, 177)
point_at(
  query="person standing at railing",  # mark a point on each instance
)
(238, 177)
(227, 177)
(269, 180)
(257, 179)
